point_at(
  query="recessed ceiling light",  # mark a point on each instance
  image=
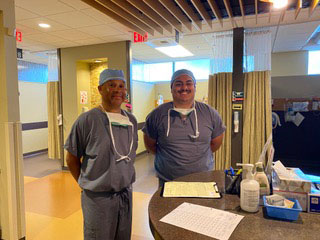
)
(280, 3)
(175, 51)
(98, 61)
(44, 25)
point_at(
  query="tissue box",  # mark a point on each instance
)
(293, 184)
(302, 197)
(314, 203)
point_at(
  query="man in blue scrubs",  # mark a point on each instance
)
(184, 133)
(100, 153)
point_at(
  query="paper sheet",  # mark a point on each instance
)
(191, 189)
(204, 220)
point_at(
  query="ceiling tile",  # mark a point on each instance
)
(100, 30)
(90, 41)
(44, 38)
(22, 14)
(33, 23)
(43, 8)
(74, 19)
(76, 4)
(99, 16)
(71, 35)
(116, 38)
(64, 44)
(26, 30)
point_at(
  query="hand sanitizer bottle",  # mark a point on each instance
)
(249, 193)
(262, 179)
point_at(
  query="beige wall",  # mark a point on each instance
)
(116, 53)
(289, 64)
(83, 84)
(33, 108)
(290, 77)
(143, 95)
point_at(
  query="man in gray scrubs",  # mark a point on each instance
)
(184, 133)
(100, 153)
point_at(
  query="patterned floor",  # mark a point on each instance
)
(52, 202)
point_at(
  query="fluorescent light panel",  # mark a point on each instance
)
(175, 51)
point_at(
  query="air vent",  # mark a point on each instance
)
(161, 42)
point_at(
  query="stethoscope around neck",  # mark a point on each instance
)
(122, 157)
(197, 134)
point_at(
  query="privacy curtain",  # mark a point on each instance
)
(54, 142)
(257, 125)
(53, 128)
(219, 97)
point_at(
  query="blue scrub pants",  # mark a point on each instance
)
(107, 216)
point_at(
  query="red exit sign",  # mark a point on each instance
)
(18, 36)
(139, 38)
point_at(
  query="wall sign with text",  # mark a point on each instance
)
(18, 36)
(139, 38)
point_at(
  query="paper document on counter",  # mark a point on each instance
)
(204, 220)
(191, 189)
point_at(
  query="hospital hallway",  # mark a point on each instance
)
(52, 200)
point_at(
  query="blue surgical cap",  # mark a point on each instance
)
(182, 72)
(111, 74)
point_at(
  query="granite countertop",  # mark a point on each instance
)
(252, 226)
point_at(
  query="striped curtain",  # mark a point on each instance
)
(54, 142)
(257, 123)
(219, 97)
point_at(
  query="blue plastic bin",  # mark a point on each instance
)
(291, 214)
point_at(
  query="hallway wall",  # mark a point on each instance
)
(143, 95)
(33, 109)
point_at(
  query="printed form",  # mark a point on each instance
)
(191, 189)
(208, 221)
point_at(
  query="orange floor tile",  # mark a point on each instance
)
(53, 209)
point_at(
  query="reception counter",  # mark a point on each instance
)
(252, 226)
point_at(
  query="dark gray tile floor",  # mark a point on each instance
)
(40, 165)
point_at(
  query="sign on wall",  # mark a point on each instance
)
(139, 38)
(83, 97)
(19, 53)
(18, 36)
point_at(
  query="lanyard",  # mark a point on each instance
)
(122, 157)
(197, 126)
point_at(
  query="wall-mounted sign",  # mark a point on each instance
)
(18, 36)
(139, 38)
(237, 96)
(19, 53)
(83, 97)
(236, 106)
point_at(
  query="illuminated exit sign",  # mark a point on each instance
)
(139, 38)
(18, 36)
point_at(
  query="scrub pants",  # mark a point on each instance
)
(107, 216)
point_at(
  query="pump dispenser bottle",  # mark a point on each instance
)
(262, 179)
(249, 193)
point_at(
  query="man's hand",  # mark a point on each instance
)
(151, 144)
(216, 142)
(74, 165)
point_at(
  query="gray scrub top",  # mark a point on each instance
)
(90, 139)
(179, 154)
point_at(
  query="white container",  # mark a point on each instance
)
(249, 193)
(262, 179)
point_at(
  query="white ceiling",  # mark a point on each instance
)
(74, 23)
